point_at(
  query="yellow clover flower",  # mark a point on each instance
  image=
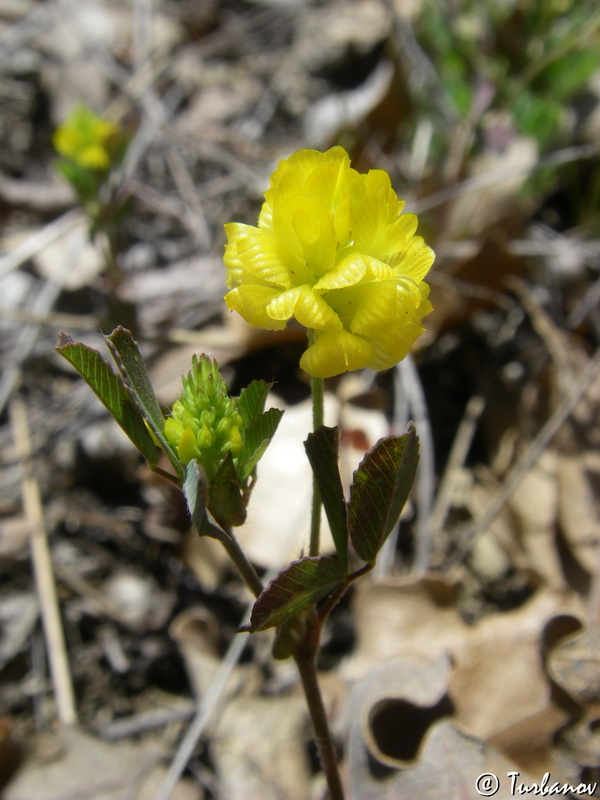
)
(87, 140)
(334, 251)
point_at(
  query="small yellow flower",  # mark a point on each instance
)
(88, 140)
(334, 251)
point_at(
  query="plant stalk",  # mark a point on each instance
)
(317, 391)
(245, 568)
(305, 659)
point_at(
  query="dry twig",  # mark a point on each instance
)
(42, 567)
(518, 472)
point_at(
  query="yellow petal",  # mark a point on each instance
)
(378, 230)
(377, 181)
(329, 184)
(252, 255)
(265, 217)
(374, 307)
(94, 156)
(342, 220)
(306, 306)
(304, 162)
(424, 289)
(400, 233)
(321, 179)
(393, 344)
(415, 261)
(347, 273)
(66, 141)
(385, 305)
(379, 270)
(334, 352)
(307, 221)
(251, 303)
(391, 347)
(300, 164)
(305, 234)
(292, 174)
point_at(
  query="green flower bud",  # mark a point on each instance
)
(223, 426)
(205, 423)
(234, 441)
(205, 438)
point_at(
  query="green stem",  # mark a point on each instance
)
(316, 387)
(167, 475)
(305, 659)
(245, 568)
(317, 391)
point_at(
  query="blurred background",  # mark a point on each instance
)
(487, 117)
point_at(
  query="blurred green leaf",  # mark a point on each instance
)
(533, 58)
(568, 75)
(85, 182)
(379, 490)
(301, 583)
(538, 116)
(112, 393)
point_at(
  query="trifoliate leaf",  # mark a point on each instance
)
(379, 490)
(301, 583)
(256, 440)
(112, 393)
(127, 356)
(252, 399)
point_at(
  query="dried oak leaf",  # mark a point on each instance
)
(574, 664)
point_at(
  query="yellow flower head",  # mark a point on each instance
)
(88, 140)
(332, 250)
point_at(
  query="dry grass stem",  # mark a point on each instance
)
(42, 567)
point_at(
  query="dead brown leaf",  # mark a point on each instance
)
(449, 767)
(579, 511)
(259, 748)
(72, 764)
(497, 681)
(574, 664)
